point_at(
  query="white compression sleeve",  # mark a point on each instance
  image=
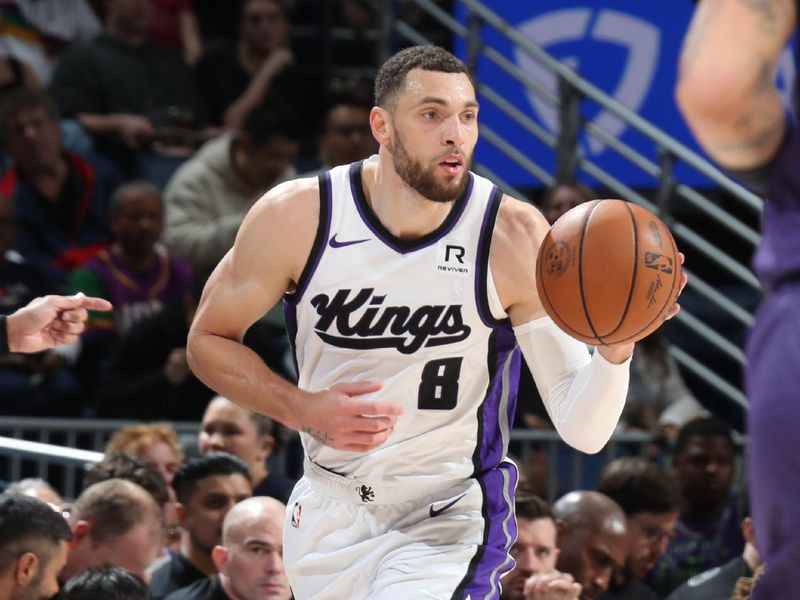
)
(584, 394)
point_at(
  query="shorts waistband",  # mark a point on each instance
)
(365, 492)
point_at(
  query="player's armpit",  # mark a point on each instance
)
(518, 233)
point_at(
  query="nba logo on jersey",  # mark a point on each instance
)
(451, 257)
(296, 510)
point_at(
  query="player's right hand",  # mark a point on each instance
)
(552, 586)
(338, 418)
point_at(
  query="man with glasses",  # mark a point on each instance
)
(649, 497)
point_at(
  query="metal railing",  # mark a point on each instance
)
(570, 98)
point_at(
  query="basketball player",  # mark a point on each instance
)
(727, 94)
(402, 276)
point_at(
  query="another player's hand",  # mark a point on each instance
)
(552, 586)
(49, 321)
(338, 418)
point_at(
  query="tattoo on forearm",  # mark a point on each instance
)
(767, 12)
(321, 436)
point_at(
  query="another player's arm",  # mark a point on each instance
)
(584, 395)
(266, 260)
(726, 87)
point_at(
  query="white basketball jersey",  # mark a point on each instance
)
(415, 316)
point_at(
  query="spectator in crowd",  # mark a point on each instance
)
(60, 199)
(155, 443)
(257, 69)
(206, 487)
(563, 196)
(115, 523)
(534, 575)
(229, 427)
(133, 273)
(33, 548)
(32, 384)
(60, 23)
(708, 533)
(146, 375)
(135, 469)
(35, 487)
(346, 135)
(20, 282)
(719, 583)
(22, 46)
(209, 195)
(658, 400)
(124, 114)
(174, 27)
(99, 583)
(250, 557)
(593, 539)
(649, 497)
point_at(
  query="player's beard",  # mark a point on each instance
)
(423, 180)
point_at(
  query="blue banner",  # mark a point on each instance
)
(627, 48)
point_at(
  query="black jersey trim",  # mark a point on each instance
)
(398, 245)
(318, 248)
(482, 272)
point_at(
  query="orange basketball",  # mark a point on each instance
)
(608, 272)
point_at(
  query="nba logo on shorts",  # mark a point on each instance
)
(296, 510)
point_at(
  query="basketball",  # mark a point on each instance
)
(608, 272)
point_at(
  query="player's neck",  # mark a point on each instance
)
(402, 210)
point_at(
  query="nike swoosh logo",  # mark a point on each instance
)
(334, 243)
(436, 512)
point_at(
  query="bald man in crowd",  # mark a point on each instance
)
(250, 558)
(592, 538)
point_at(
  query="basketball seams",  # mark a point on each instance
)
(580, 270)
(659, 314)
(634, 271)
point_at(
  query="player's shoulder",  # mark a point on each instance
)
(293, 200)
(519, 222)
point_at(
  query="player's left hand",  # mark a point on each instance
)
(619, 353)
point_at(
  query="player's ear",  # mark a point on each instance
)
(380, 121)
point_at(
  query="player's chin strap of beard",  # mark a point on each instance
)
(584, 394)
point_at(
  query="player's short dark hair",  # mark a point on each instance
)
(194, 469)
(391, 76)
(639, 485)
(705, 427)
(29, 525)
(132, 468)
(270, 120)
(532, 507)
(22, 99)
(584, 191)
(113, 507)
(103, 583)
